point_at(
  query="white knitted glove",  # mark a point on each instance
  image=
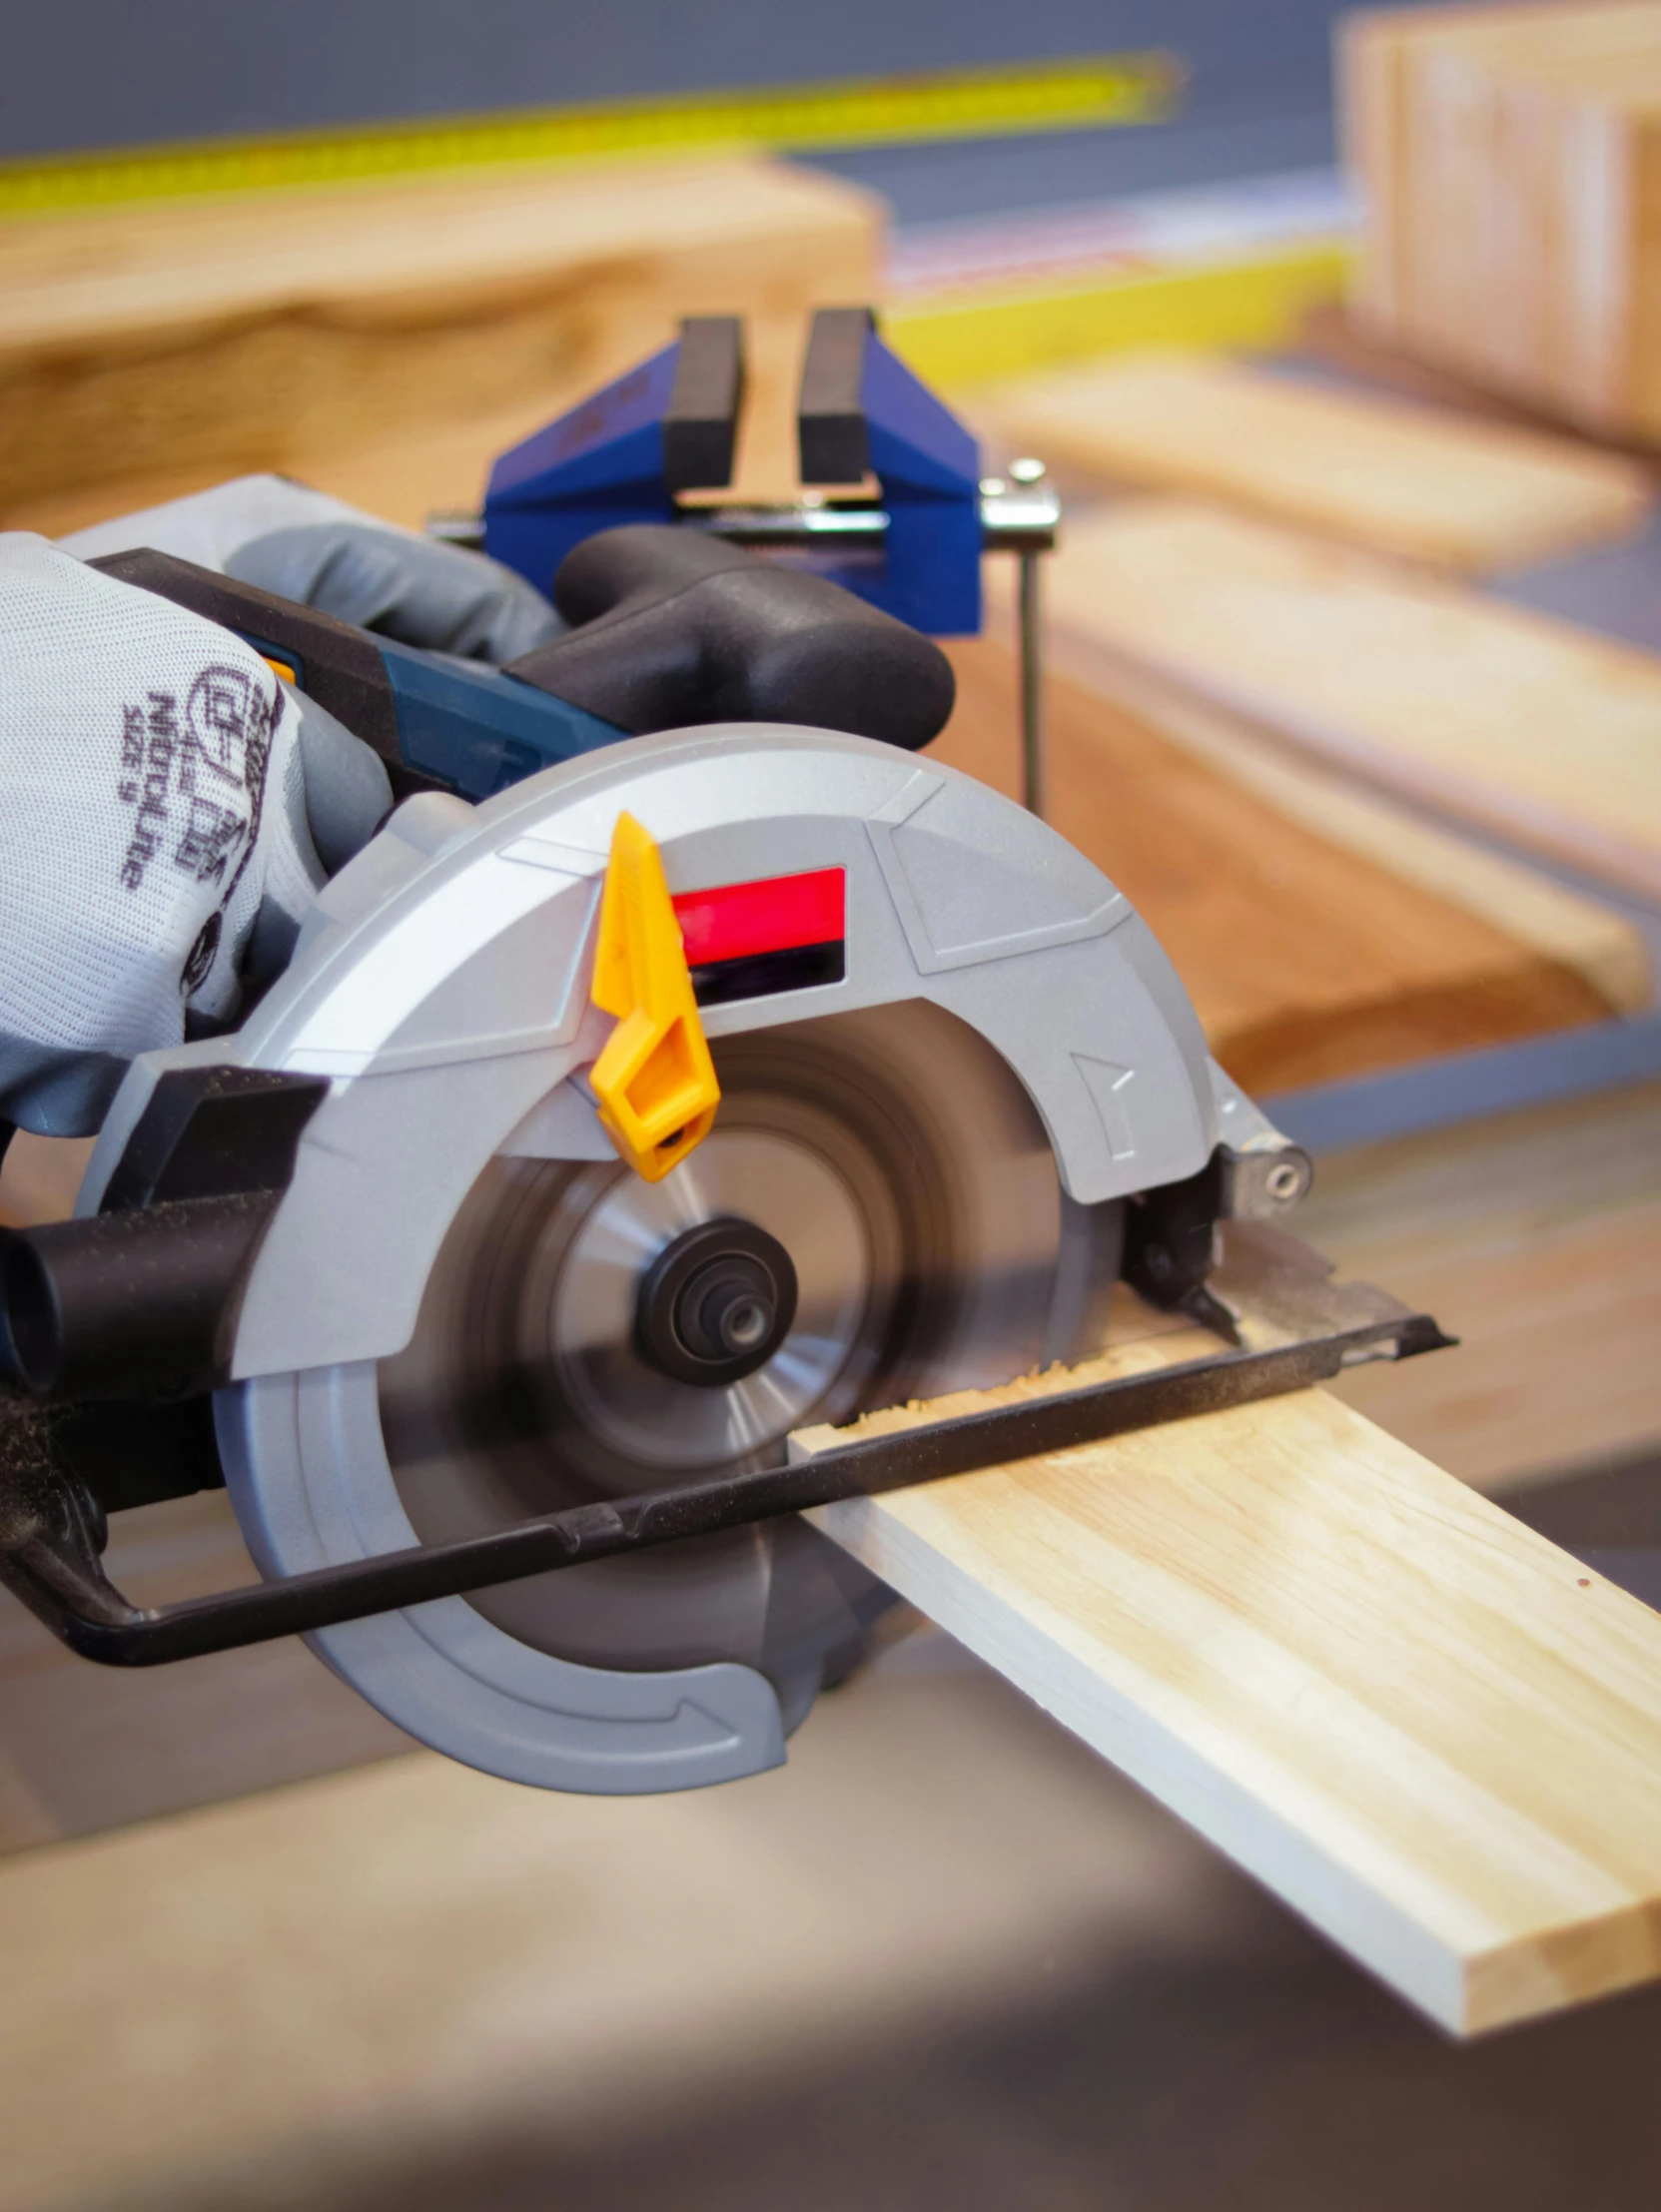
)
(305, 545)
(154, 839)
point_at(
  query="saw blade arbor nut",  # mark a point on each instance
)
(717, 1304)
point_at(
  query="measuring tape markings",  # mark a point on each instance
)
(1092, 92)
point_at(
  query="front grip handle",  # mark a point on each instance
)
(672, 627)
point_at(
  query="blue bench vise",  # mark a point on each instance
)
(904, 528)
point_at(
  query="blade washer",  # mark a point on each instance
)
(717, 1304)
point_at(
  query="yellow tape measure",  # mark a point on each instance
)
(1084, 94)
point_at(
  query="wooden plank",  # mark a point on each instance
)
(1566, 927)
(1535, 1237)
(1523, 726)
(1305, 961)
(1375, 471)
(1423, 1727)
(1332, 334)
(268, 330)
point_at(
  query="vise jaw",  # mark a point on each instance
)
(903, 528)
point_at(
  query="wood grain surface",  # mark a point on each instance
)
(1568, 928)
(1535, 1237)
(1529, 727)
(1379, 473)
(1305, 961)
(1508, 159)
(1423, 1727)
(281, 330)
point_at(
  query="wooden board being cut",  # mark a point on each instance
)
(1423, 1727)
(1524, 726)
(1307, 961)
(1400, 479)
(283, 330)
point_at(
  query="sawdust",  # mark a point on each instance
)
(1139, 1337)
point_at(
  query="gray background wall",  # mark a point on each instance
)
(88, 73)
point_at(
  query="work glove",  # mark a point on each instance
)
(166, 816)
(304, 546)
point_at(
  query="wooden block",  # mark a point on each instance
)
(1421, 1726)
(1305, 961)
(1333, 335)
(1527, 727)
(1510, 163)
(267, 330)
(1399, 478)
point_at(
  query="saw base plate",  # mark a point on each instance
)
(1296, 1324)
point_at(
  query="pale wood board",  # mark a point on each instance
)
(1375, 471)
(1421, 1726)
(1306, 959)
(1524, 726)
(281, 330)
(1491, 244)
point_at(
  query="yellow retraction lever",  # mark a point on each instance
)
(654, 1080)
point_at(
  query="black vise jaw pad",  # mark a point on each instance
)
(700, 429)
(673, 627)
(831, 429)
(141, 1300)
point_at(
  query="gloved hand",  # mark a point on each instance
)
(304, 546)
(166, 818)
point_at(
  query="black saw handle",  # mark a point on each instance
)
(673, 627)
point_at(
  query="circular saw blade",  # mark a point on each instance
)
(897, 1160)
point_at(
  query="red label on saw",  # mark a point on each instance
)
(738, 921)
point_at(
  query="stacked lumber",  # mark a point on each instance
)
(390, 332)
(1321, 935)
(1509, 160)
(1524, 727)
(1414, 481)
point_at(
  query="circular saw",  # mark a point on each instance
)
(524, 1261)
(599, 1141)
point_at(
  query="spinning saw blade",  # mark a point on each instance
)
(876, 1217)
